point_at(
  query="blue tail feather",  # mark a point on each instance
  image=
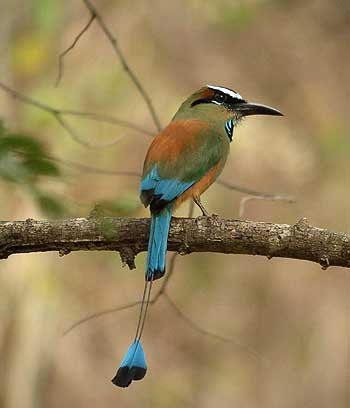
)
(133, 366)
(157, 244)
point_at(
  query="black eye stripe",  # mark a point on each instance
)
(220, 97)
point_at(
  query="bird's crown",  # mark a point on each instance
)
(217, 95)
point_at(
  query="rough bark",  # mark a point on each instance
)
(129, 236)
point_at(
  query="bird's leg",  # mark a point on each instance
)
(197, 200)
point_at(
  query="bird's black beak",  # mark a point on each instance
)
(246, 108)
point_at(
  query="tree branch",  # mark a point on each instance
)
(129, 236)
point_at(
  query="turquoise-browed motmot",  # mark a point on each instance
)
(182, 162)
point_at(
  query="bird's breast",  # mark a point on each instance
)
(203, 184)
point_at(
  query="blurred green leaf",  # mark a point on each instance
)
(23, 158)
(121, 206)
(23, 161)
(41, 166)
(20, 143)
(50, 205)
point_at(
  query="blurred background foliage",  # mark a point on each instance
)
(23, 162)
(293, 55)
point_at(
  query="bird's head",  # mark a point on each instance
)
(218, 103)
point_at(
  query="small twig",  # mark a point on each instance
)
(74, 135)
(27, 100)
(86, 169)
(244, 200)
(191, 323)
(64, 53)
(49, 109)
(267, 196)
(100, 314)
(124, 63)
(100, 117)
(255, 195)
(91, 169)
(194, 326)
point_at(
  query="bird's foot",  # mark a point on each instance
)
(207, 215)
(201, 207)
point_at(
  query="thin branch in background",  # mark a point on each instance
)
(191, 323)
(267, 196)
(90, 169)
(101, 117)
(74, 135)
(65, 52)
(112, 39)
(255, 195)
(100, 314)
(276, 197)
(87, 169)
(59, 114)
(194, 326)
(27, 100)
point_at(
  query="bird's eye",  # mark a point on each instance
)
(219, 97)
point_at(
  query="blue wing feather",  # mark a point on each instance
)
(163, 189)
(150, 181)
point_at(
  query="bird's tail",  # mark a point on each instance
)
(133, 366)
(157, 244)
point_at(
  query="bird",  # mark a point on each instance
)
(182, 162)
